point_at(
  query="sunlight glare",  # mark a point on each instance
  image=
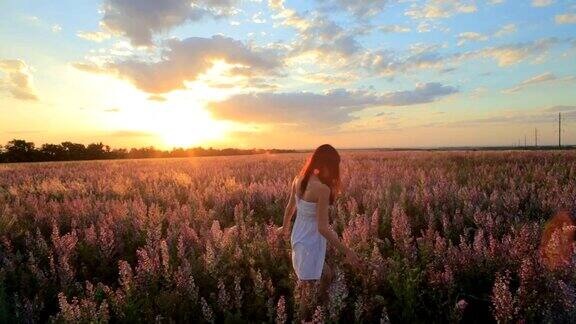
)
(185, 128)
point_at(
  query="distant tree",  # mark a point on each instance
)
(23, 151)
(53, 152)
(95, 151)
(144, 152)
(20, 151)
(118, 154)
(74, 151)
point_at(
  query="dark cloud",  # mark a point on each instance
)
(332, 107)
(139, 20)
(324, 109)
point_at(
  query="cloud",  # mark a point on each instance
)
(546, 77)
(18, 80)
(326, 78)
(358, 8)
(389, 63)
(328, 108)
(25, 132)
(156, 98)
(38, 22)
(423, 93)
(532, 116)
(542, 3)
(321, 109)
(32, 19)
(393, 29)
(258, 19)
(505, 30)
(97, 36)
(437, 9)
(541, 78)
(561, 108)
(185, 60)
(139, 20)
(515, 118)
(471, 36)
(131, 133)
(512, 54)
(88, 67)
(565, 19)
(318, 35)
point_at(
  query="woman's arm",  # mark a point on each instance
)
(289, 211)
(326, 230)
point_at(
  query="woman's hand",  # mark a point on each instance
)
(284, 232)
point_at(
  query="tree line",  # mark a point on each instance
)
(19, 150)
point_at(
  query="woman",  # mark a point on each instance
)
(558, 244)
(312, 191)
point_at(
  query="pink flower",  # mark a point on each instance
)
(281, 316)
(207, 311)
(401, 231)
(461, 305)
(125, 275)
(503, 303)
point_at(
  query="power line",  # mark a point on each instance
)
(559, 130)
(525, 141)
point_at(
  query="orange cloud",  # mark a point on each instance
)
(18, 80)
(185, 60)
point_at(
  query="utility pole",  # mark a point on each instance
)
(536, 137)
(525, 141)
(559, 130)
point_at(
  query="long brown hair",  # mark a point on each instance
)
(324, 157)
(557, 239)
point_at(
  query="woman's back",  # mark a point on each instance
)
(310, 192)
(308, 245)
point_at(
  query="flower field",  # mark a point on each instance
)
(449, 236)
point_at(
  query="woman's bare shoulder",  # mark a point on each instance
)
(295, 181)
(318, 188)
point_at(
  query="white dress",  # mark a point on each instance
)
(308, 245)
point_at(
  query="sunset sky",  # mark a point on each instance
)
(287, 74)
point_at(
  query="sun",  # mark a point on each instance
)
(171, 124)
(180, 119)
(187, 127)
